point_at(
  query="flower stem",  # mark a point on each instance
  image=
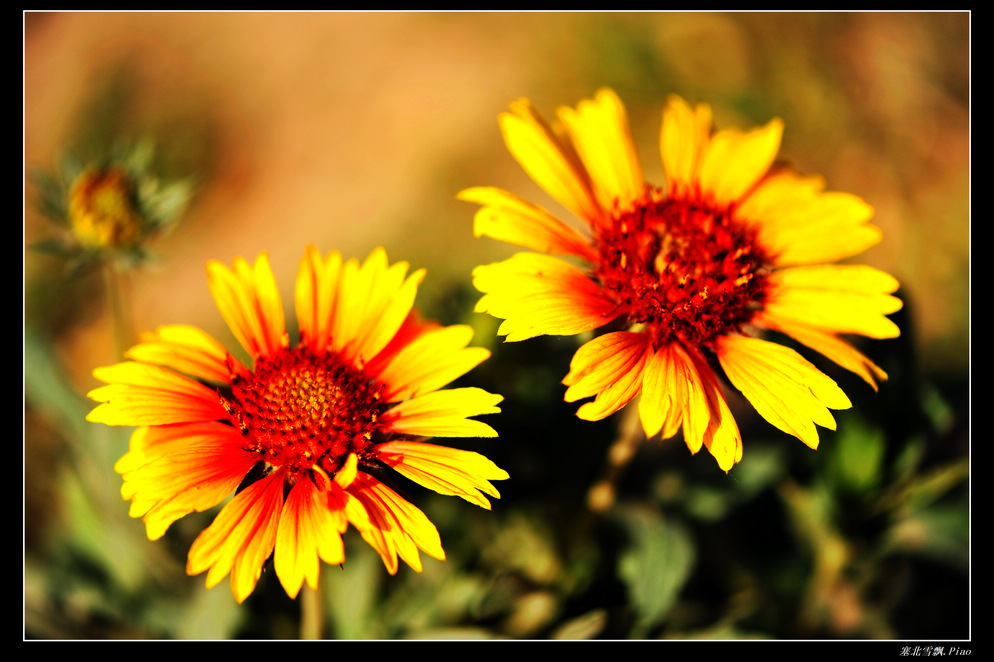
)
(310, 613)
(115, 285)
(602, 494)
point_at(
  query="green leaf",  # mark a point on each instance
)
(351, 592)
(937, 483)
(922, 491)
(939, 532)
(657, 564)
(210, 614)
(582, 627)
(47, 388)
(858, 456)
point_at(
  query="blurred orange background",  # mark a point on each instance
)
(352, 130)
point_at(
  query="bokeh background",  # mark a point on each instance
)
(354, 130)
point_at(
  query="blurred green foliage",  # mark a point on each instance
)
(838, 543)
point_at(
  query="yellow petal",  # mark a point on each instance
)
(144, 394)
(828, 344)
(172, 471)
(684, 138)
(185, 349)
(315, 295)
(374, 299)
(836, 299)
(354, 510)
(249, 302)
(609, 367)
(506, 217)
(798, 223)
(444, 414)
(241, 537)
(599, 132)
(448, 471)
(382, 327)
(340, 501)
(548, 161)
(782, 385)
(541, 295)
(347, 473)
(396, 528)
(721, 435)
(735, 160)
(145, 445)
(666, 381)
(681, 387)
(430, 361)
(412, 329)
(308, 530)
(352, 296)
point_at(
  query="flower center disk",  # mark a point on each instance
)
(682, 268)
(101, 209)
(301, 410)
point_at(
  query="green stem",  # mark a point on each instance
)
(115, 285)
(310, 613)
(601, 495)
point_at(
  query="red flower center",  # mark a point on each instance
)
(682, 268)
(299, 409)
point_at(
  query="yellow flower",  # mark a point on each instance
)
(314, 425)
(685, 272)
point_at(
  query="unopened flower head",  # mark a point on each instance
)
(102, 209)
(685, 273)
(112, 207)
(314, 427)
